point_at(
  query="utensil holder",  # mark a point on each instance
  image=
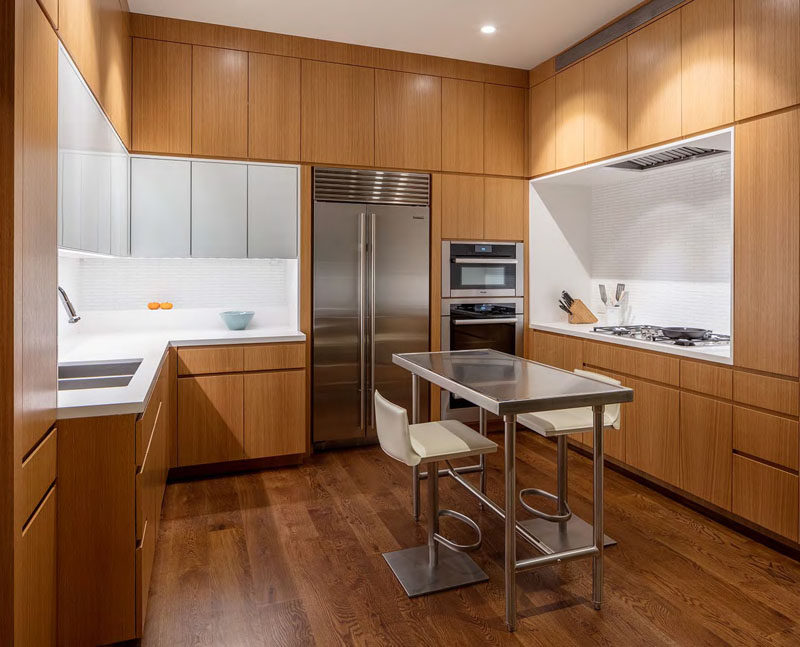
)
(580, 313)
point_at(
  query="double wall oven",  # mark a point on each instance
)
(482, 305)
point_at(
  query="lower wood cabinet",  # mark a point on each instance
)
(275, 413)
(766, 495)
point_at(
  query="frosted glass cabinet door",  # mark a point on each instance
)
(219, 210)
(120, 226)
(160, 208)
(272, 212)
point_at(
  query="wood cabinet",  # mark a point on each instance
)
(767, 244)
(161, 111)
(557, 350)
(706, 448)
(570, 117)
(767, 58)
(274, 107)
(706, 64)
(504, 212)
(338, 114)
(462, 207)
(542, 128)
(275, 420)
(766, 495)
(654, 82)
(219, 102)
(766, 392)
(462, 126)
(766, 436)
(605, 102)
(408, 120)
(707, 378)
(504, 128)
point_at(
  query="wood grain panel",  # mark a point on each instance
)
(706, 445)
(37, 474)
(548, 349)
(462, 126)
(504, 209)
(542, 128)
(767, 392)
(606, 101)
(570, 117)
(161, 113)
(767, 55)
(766, 244)
(462, 207)
(436, 284)
(219, 102)
(651, 366)
(542, 72)
(270, 357)
(274, 414)
(766, 495)
(771, 438)
(408, 120)
(50, 8)
(306, 274)
(706, 64)
(210, 359)
(707, 378)
(654, 82)
(338, 114)
(274, 108)
(504, 130)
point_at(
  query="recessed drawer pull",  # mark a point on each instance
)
(484, 322)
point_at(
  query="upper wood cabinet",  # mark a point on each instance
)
(654, 82)
(50, 8)
(462, 126)
(219, 102)
(274, 107)
(504, 128)
(542, 128)
(766, 240)
(569, 117)
(504, 211)
(408, 120)
(338, 113)
(462, 207)
(605, 92)
(162, 97)
(707, 64)
(767, 55)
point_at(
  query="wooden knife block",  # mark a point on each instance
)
(580, 313)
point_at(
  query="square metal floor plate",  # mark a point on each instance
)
(410, 567)
(575, 533)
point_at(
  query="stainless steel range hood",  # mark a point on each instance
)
(659, 159)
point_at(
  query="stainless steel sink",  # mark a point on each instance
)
(96, 375)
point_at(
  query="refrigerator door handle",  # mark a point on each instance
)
(372, 318)
(362, 363)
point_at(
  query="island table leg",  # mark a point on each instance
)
(597, 502)
(510, 433)
(415, 469)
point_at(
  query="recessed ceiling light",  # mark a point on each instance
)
(488, 29)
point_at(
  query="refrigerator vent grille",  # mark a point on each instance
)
(374, 187)
(671, 156)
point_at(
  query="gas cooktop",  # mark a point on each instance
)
(656, 334)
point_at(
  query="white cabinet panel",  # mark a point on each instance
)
(272, 212)
(160, 208)
(219, 210)
(120, 223)
(70, 205)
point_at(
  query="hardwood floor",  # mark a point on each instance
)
(293, 557)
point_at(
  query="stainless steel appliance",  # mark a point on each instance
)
(664, 335)
(371, 295)
(482, 269)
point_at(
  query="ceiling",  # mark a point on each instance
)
(528, 31)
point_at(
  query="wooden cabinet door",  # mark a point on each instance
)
(569, 117)
(161, 111)
(338, 113)
(706, 64)
(767, 56)
(274, 413)
(210, 419)
(605, 92)
(766, 495)
(706, 444)
(274, 107)
(462, 126)
(462, 207)
(542, 128)
(548, 349)
(408, 120)
(652, 431)
(504, 209)
(654, 82)
(504, 128)
(219, 102)
(766, 244)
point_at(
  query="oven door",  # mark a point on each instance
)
(477, 277)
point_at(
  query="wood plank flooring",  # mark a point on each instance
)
(293, 557)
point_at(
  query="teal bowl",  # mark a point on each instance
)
(237, 319)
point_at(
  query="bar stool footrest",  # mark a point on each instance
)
(413, 571)
(461, 548)
(566, 535)
(538, 513)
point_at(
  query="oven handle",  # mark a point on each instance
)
(470, 322)
(485, 261)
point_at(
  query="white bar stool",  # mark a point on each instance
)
(423, 569)
(563, 530)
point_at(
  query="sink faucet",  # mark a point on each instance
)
(73, 317)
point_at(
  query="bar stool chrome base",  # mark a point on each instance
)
(564, 535)
(414, 572)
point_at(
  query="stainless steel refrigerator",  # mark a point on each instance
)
(371, 296)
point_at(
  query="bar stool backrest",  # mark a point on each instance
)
(393, 433)
(613, 410)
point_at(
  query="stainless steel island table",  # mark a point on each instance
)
(507, 385)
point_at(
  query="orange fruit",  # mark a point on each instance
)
(166, 306)
(154, 305)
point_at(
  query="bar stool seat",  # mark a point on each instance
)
(567, 421)
(447, 440)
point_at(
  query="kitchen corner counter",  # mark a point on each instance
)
(718, 354)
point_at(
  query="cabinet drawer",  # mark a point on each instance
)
(268, 357)
(211, 359)
(651, 366)
(765, 495)
(766, 392)
(771, 438)
(707, 378)
(145, 552)
(147, 423)
(36, 476)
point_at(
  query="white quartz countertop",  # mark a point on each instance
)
(719, 354)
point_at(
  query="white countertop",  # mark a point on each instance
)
(719, 354)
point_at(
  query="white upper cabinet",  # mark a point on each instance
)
(219, 210)
(272, 200)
